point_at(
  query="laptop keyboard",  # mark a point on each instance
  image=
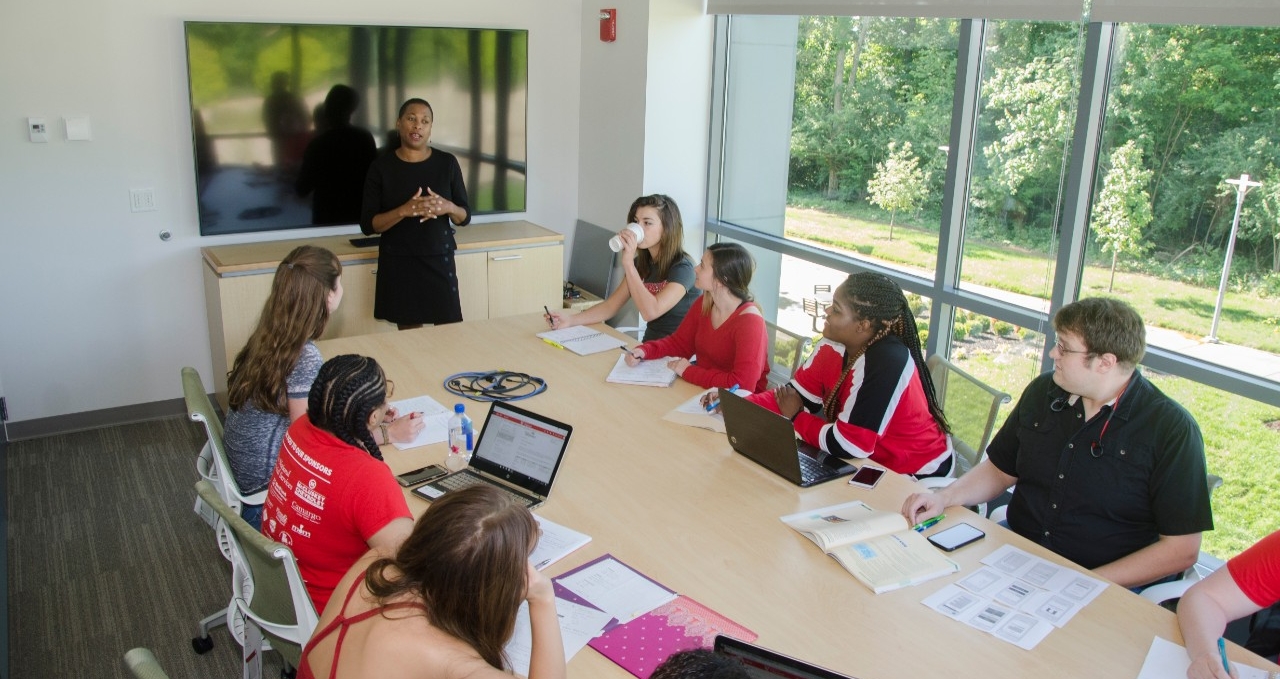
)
(460, 481)
(810, 468)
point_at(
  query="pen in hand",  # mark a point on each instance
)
(1222, 652)
(550, 321)
(716, 403)
(928, 523)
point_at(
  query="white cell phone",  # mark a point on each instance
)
(866, 477)
(955, 537)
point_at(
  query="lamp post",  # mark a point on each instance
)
(1242, 187)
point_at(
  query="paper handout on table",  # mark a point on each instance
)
(578, 625)
(1167, 659)
(434, 414)
(653, 373)
(693, 414)
(877, 547)
(1016, 596)
(582, 340)
(615, 588)
(555, 543)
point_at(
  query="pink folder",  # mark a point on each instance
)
(642, 644)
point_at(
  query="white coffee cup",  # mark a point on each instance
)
(615, 243)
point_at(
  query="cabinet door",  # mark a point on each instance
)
(354, 316)
(522, 281)
(473, 285)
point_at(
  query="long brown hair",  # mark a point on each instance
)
(670, 246)
(297, 310)
(877, 298)
(733, 266)
(466, 559)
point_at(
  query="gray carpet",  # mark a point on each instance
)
(105, 554)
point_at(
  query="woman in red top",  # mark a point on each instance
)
(445, 603)
(866, 391)
(725, 332)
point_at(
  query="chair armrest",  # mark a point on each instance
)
(1166, 591)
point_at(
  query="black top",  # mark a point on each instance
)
(392, 182)
(681, 272)
(1148, 481)
(335, 166)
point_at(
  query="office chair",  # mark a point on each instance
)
(213, 466)
(790, 347)
(971, 407)
(143, 664)
(277, 606)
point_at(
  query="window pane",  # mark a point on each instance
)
(1191, 107)
(1240, 438)
(1001, 354)
(1029, 87)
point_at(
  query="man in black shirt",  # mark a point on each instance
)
(1109, 471)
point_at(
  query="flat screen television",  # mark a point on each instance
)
(257, 94)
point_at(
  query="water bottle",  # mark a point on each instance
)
(461, 439)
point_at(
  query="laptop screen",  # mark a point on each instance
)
(521, 447)
(761, 663)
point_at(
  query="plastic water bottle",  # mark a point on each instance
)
(461, 439)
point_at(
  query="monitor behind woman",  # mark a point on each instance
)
(445, 603)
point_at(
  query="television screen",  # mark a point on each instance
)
(258, 106)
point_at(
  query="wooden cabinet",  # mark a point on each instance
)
(504, 269)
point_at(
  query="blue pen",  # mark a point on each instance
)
(1222, 651)
(716, 403)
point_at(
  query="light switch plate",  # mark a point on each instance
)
(77, 128)
(142, 200)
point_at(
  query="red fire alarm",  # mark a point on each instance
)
(608, 25)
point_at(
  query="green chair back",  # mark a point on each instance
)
(971, 407)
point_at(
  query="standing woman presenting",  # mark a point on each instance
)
(658, 274)
(414, 196)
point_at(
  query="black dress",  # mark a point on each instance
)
(417, 280)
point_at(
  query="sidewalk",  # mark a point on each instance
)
(798, 278)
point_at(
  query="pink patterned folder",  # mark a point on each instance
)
(642, 644)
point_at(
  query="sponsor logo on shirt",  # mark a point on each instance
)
(304, 513)
(307, 493)
(302, 532)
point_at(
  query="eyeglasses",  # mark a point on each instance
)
(1062, 349)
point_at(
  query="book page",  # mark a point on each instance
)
(1167, 659)
(647, 373)
(832, 526)
(555, 543)
(578, 625)
(887, 562)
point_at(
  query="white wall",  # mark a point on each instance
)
(677, 108)
(96, 311)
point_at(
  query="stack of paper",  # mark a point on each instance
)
(555, 543)
(646, 373)
(1167, 660)
(693, 414)
(581, 340)
(1016, 596)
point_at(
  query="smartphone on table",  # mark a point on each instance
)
(422, 475)
(955, 537)
(866, 477)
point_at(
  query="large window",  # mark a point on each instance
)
(999, 169)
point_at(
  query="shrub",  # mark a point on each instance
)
(1002, 328)
(975, 327)
(959, 331)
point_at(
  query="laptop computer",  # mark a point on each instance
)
(769, 440)
(761, 663)
(518, 451)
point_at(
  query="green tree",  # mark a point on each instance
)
(1123, 207)
(899, 183)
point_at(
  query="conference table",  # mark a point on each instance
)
(679, 505)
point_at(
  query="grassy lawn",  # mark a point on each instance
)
(1241, 436)
(1247, 319)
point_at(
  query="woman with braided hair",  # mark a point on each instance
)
(866, 392)
(331, 497)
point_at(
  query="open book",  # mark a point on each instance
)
(878, 548)
(653, 373)
(581, 340)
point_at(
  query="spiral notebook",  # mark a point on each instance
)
(581, 340)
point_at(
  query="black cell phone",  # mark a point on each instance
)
(955, 537)
(867, 477)
(423, 475)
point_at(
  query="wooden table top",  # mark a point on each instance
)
(680, 506)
